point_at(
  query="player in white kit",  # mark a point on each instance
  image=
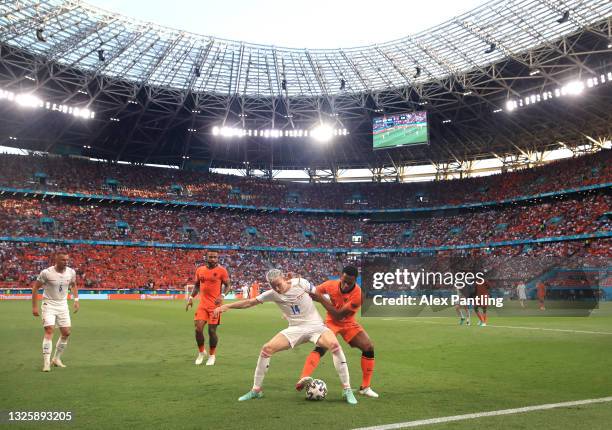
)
(245, 291)
(55, 281)
(521, 292)
(305, 325)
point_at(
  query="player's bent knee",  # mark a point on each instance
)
(334, 347)
(369, 353)
(267, 350)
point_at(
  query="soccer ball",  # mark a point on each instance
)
(317, 390)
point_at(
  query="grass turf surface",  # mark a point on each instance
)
(131, 366)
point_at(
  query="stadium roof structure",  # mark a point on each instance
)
(157, 92)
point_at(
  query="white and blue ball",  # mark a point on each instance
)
(317, 390)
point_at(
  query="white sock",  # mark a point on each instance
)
(462, 314)
(47, 346)
(341, 366)
(263, 362)
(60, 347)
(468, 314)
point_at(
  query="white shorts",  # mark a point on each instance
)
(55, 316)
(299, 334)
(522, 296)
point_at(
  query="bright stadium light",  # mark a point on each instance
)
(28, 100)
(322, 133)
(573, 88)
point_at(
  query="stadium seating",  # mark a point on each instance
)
(127, 267)
(76, 175)
(25, 217)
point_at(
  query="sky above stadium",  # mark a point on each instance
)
(296, 24)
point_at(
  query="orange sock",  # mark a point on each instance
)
(201, 348)
(367, 369)
(312, 361)
(212, 350)
(486, 318)
(479, 315)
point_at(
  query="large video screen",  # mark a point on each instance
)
(392, 131)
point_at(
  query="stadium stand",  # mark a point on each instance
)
(22, 216)
(77, 175)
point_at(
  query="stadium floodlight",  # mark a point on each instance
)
(491, 48)
(564, 18)
(534, 72)
(573, 88)
(510, 105)
(322, 133)
(40, 34)
(28, 100)
(101, 55)
(215, 131)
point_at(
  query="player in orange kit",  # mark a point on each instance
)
(541, 293)
(482, 295)
(345, 296)
(208, 282)
(254, 290)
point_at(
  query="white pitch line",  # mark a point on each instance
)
(439, 420)
(562, 330)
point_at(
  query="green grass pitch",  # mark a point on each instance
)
(131, 366)
(401, 136)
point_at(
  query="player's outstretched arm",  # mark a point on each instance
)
(35, 288)
(240, 304)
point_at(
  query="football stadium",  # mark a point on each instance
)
(421, 222)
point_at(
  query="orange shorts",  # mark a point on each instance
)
(206, 314)
(347, 330)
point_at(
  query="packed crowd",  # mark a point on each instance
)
(78, 175)
(122, 267)
(44, 218)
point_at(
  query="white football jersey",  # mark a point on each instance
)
(296, 304)
(55, 284)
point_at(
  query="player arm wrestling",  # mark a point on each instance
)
(337, 314)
